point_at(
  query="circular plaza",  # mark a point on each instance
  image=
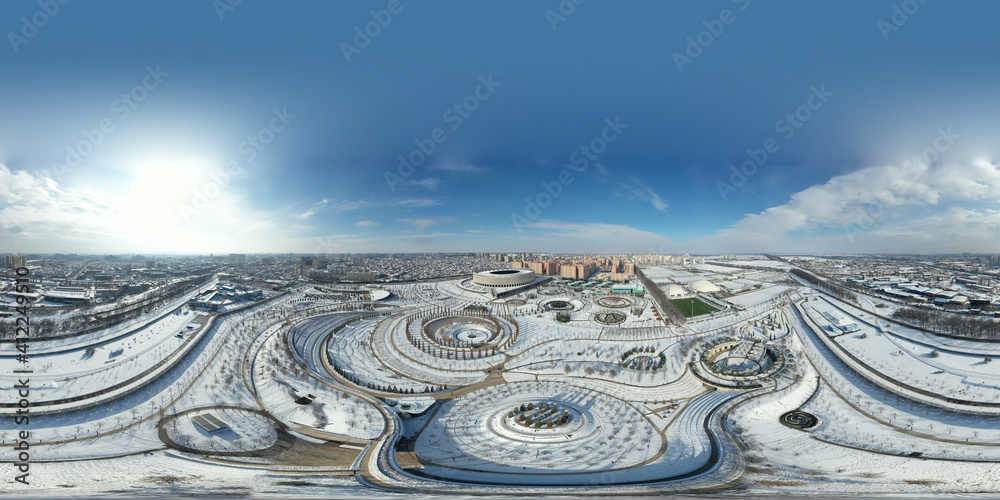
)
(535, 428)
(614, 302)
(463, 335)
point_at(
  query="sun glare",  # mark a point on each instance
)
(158, 188)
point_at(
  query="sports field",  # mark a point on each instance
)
(693, 306)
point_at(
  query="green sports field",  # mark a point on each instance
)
(693, 306)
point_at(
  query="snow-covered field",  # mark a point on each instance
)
(330, 411)
(78, 371)
(474, 434)
(293, 428)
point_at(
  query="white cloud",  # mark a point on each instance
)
(916, 205)
(562, 236)
(638, 190)
(264, 224)
(332, 205)
(35, 214)
(142, 214)
(601, 169)
(430, 183)
(417, 203)
(421, 223)
(462, 168)
(367, 223)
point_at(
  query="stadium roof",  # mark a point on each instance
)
(702, 286)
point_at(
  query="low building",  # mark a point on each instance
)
(634, 289)
(841, 323)
(70, 295)
(360, 276)
(702, 286)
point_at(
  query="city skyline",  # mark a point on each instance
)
(733, 127)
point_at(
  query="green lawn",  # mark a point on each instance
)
(693, 307)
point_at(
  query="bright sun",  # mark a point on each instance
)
(159, 188)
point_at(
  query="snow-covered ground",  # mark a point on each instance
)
(78, 371)
(331, 411)
(474, 434)
(269, 360)
(172, 474)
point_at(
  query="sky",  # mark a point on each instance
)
(572, 126)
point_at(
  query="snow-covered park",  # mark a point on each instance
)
(556, 389)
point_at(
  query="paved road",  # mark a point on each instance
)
(307, 339)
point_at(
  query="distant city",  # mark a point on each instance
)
(963, 281)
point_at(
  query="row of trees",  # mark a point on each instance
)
(826, 286)
(384, 388)
(672, 313)
(85, 321)
(476, 308)
(634, 350)
(950, 323)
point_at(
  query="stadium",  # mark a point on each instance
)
(504, 277)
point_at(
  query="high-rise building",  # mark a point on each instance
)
(550, 267)
(535, 266)
(13, 261)
(580, 271)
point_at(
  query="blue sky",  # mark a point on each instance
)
(276, 127)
